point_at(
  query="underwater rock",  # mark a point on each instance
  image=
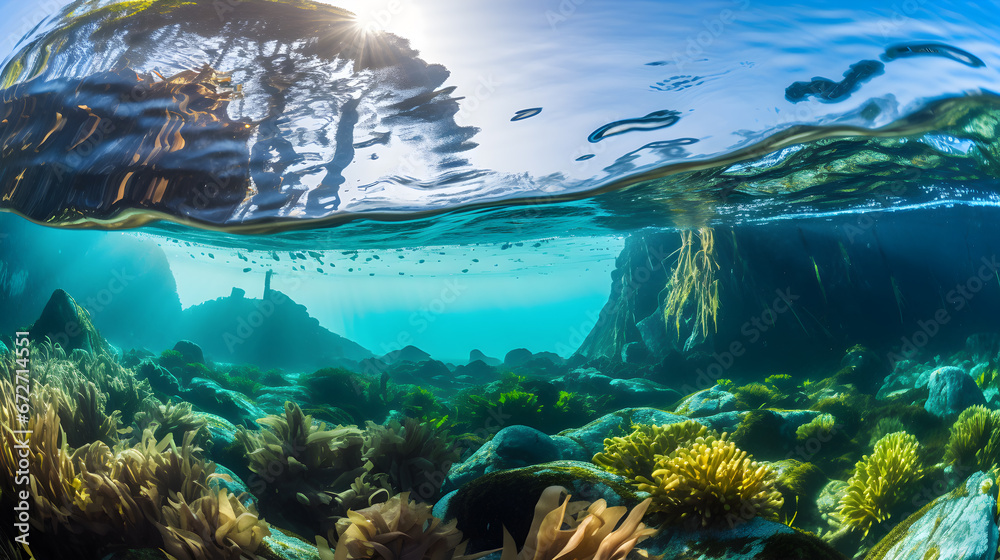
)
(517, 357)
(477, 369)
(641, 392)
(757, 539)
(232, 482)
(708, 402)
(406, 354)
(906, 377)
(190, 351)
(507, 498)
(983, 347)
(160, 379)
(624, 393)
(828, 502)
(232, 405)
(635, 353)
(800, 485)
(478, 355)
(66, 323)
(282, 546)
(951, 391)
(588, 440)
(272, 399)
(424, 372)
(511, 447)
(273, 331)
(960, 524)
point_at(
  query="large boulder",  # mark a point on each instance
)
(68, 324)
(477, 355)
(756, 539)
(707, 402)
(961, 524)
(191, 352)
(511, 447)
(951, 391)
(506, 499)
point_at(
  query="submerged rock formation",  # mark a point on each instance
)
(273, 331)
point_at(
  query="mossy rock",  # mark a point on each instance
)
(761, 433)
(757, 539)
(960, 524)
(800, 485)
(507, 498)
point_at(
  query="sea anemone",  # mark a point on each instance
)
(710, 482)
(636, 454)
(881, 481)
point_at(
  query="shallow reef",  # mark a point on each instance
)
(173, 455)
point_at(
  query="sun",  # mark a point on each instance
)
(399, 17)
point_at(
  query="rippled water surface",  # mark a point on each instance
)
(268, 116)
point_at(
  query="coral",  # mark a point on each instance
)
(822, 426)
(881, 481)
(174, 419)
(306, 475)
(636, 454)
(753, 396)
(398, 529)
(975, 439)
(710, 482)
(590, 532)
(414, 456)
(694, 276)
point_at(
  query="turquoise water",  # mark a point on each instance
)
(427, 260)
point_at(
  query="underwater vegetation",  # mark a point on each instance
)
(592, 532)
(395, 529)
(153, 494)
(709, 482)
(637, 454)
(881, 481)
(975, 439)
